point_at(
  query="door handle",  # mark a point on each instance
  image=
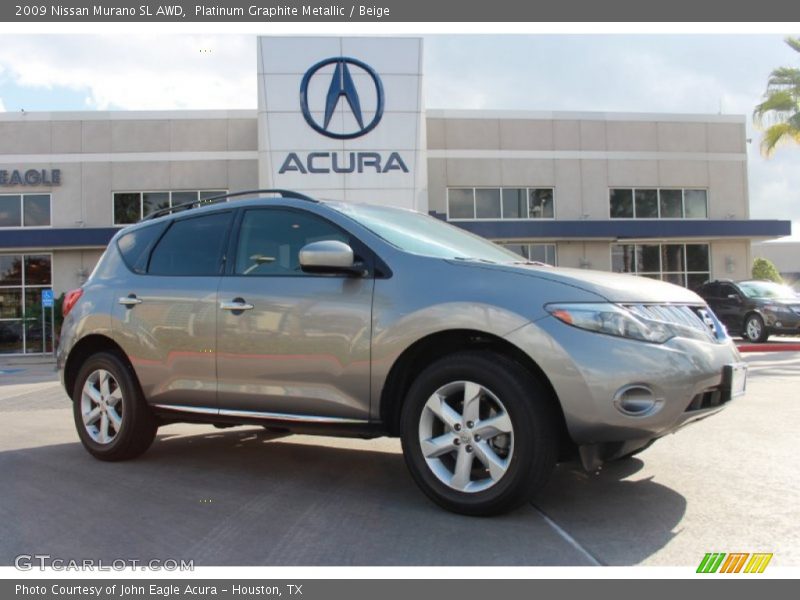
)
(236, 305)
(129, 301)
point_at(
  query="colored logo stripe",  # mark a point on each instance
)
(711, 562)
(735, 561)
(758, 563)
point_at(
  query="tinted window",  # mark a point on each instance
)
(487, 203)
(38, 269)
(270, 240)
(153, 201)
(621, 204)
(648, 258)
(541, 204)
(10, 211)
(696, 202)
(191, 246)
(671, 204)
(135, 246)
(710, 290)
(697, 257)
(127, 208)
(646, 204)
(726, 289)
(514, 206)
(461, 203)
(36, 210)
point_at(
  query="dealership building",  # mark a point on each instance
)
(657, 195)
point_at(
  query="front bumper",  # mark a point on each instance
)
(587, 371)
(783, 324)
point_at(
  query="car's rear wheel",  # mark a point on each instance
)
(754, 329)
(479, 433)
(111, 416)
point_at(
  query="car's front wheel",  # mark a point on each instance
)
(111, 416)
(479, 433)
(754, 329)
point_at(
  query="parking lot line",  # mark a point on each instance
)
(568, 538)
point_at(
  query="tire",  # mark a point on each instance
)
(754, 329)
(523, 444)
(112, 384)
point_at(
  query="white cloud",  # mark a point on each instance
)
(137, 72)
(2, 106)
(775, 185)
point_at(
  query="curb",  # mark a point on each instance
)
(768, 347)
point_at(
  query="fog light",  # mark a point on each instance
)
(636, 400)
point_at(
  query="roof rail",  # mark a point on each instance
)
(224, 197)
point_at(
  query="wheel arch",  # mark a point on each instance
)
(436, 345)
(86, 347)
(750, 312)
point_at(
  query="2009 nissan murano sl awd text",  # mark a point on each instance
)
(360, 320)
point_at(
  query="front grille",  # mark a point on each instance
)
(710, 398)
(697, 317)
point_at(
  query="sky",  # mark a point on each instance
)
(709, 73)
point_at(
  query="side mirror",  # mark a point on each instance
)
(329, 256)
(735, 298)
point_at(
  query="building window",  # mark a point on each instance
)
(683, 264)
(131, 207)
(25, 326)
(655, 203)
(543, 253)
(500, 203)
(25, 210)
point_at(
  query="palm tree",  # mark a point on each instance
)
(779, 113)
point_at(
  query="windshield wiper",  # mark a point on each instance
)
(534, 263)
(474, 259)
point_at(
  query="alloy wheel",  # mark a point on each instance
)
(466, 436)
(101, 406)
(753, 329)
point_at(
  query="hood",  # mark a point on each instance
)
(614, 287)
(792, 302)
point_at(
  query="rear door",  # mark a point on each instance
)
(730, 307)
(299, 348)
(166, 313)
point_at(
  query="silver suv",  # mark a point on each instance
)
(358, 320)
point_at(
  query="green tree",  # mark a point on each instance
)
(779, 113)
(766, 270)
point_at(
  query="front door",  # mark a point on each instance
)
(291, 345)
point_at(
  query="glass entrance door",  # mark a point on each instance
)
(26, 325)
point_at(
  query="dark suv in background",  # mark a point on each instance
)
(754, 309)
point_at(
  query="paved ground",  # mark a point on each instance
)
(240, 496)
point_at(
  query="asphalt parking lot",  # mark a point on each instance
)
(244, 497)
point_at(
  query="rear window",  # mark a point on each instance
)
(191, 246)
(135, 246)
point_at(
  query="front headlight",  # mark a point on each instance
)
(611, 320)
(777, 308)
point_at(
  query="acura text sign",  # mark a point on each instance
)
(343, 118)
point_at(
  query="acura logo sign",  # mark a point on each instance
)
(341, 90)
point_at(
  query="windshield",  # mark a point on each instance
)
(427, 236)
(766, 289)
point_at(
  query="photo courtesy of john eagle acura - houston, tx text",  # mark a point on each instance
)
(342, 261)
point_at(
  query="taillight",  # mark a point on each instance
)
(70, 299)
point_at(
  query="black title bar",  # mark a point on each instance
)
(258, 11)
